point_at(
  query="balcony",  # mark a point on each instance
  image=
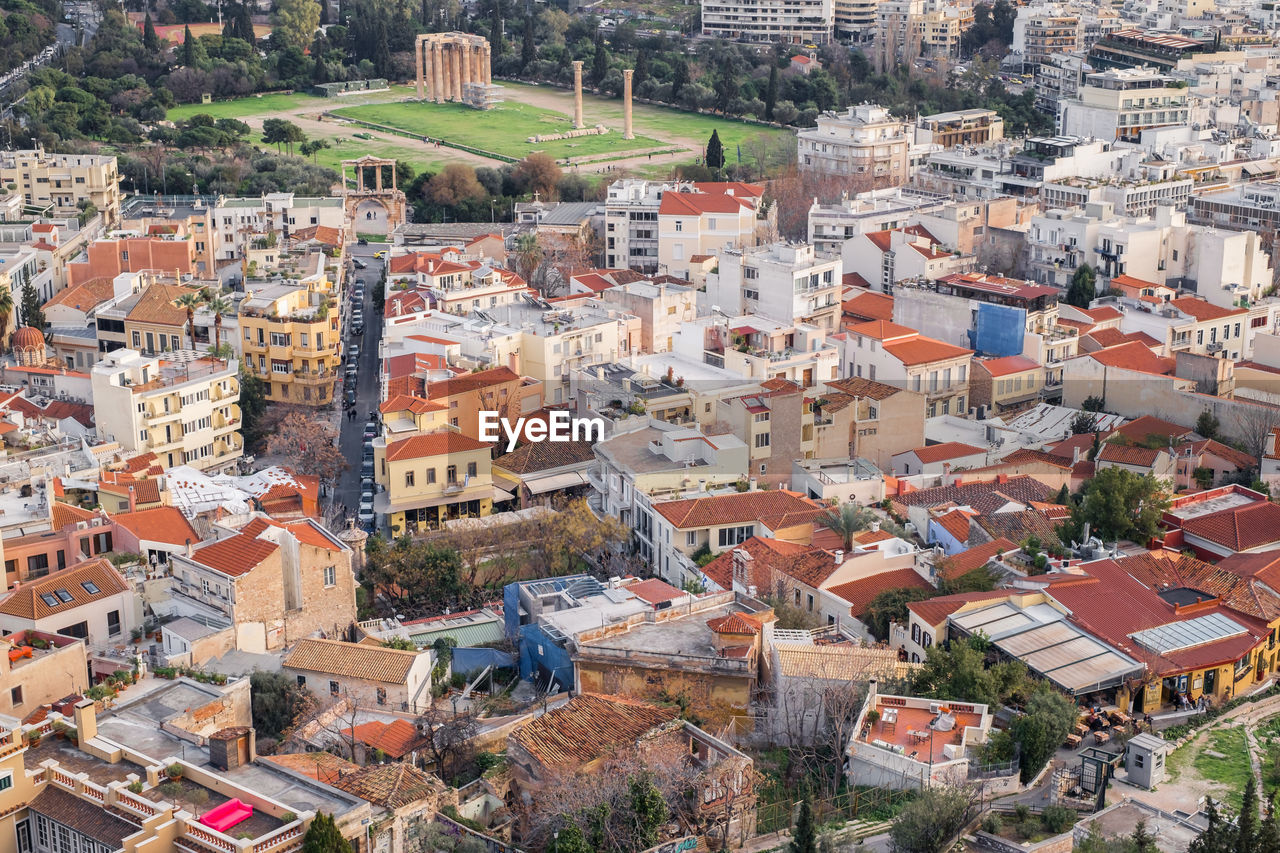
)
(314, 377)
(230, 444)
(227, 418)
(233, 390)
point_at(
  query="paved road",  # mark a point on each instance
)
(351, 439)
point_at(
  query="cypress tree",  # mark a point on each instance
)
(150, 40)
(323, 836)
(715, 151)
(244, 24)
(803, 837)
(528, 50)
(600, 63)
(679, 78)
(642, 68)
(1247, 822)
(188, 47)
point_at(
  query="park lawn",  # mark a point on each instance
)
(502, 130)
(349, 148)
(271, 104)
(1234, 770)
(666, 123)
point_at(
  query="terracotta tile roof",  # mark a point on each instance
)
(1134, 356)
(882, 330)
(770, 559)
(1102, 314)
(959, 565)
(740, 189)
(774, 508)
(1079, 326)
(983, 497)
(433, 444)
(82, 816)
(924, 350)
(1241, 528)
(1129, 454)
(65, 515)
(868, 388)
(392, 786)
(654, 591)
(853, 279)
(935, 611)
(956, 522)
(1148, 425)
(948, 450)
(587, 727)
(147, 463)
(84, 296)
(156, 306)
(696, 204)
(1201, 309)
(1246, 594)
(352, 660)
(145, 491)
(305, 530)
(161, 524)
(471, 382)
(321, 766)
(538, 456)
(859, 593)
(870, 306)
(1065, 449)
(235, 555)
(26, 602)
(1264, 565)
(409, 403)
(1018, 526)
(733, 623)
(1006, 366)
(882, 240)
(405, 302)
(869, 537)
(397, 738)
(1235, 457)
(1114, 337)
(1026, 454)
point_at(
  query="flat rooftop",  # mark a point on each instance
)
(681, 636)
(909, 729)
(1216, 504)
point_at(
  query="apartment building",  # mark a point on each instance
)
(1120, 103)
(961, 127)
(859, 418)
(89, 601)
(751, 346)
(865, 143)
(694, 226)
(1131, 197)
(453, 283)
(185, 216)
(59, 183)
(903, 358)
(830, 225)
(498, 389)
(1005, 169)
(173, 255)
(239, 222)
(185, 411)
(431, 478)
(771, 21)
(1057, 79)
(898, 39)
(884, 258)
(291, 339)
(782, 281)
(855, 20)
(147, 319)
(272, 582)
(1043, 31)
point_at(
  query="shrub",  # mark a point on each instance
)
(1058, 819)
(1028, 828)
(1022, 811)
(174, 770)
(288, 817)
(992, 823)
(135, 787)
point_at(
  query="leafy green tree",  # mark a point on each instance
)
(1142, 841)
(1046, 723)
(32, 314)
(931, 821)
(803, 837)
(1093, 404)
(1119, 504)
(417, 575)
(679, 78)
(1218, 837)
(276, 701)
(648, 810)
(891, 606)
(253, 405)
(150, 40)
(1083, 288)
(278, 131)
(715, 151)
(1208, 425)
(294, 22)
(959, 672)
(1268, 839)
(323, 836)
(569, 839)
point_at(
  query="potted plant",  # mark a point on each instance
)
(873, 717)
(174, 771)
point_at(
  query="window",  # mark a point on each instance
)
(330, 576)
(333, 688)
(15, 696)
(137, 340)
(729, 536)
(691, 538)
(797, 597)
(1138, 759)
(471, 469)
(810, 602)
(382, 696)
(431, 475)
(113, 623)
(408, 479)
(762, 439)
(915, 634)
(926, 639)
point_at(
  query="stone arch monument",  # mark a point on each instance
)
(372, 207)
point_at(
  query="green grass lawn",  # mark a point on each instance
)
(348, 148)
(1232, 771)
(265, 107)
(502, 130)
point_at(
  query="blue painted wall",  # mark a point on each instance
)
(998, 330)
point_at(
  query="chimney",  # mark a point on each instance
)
(133, 499)
(1002, 478)
(871, 692)
(741, 569)
(188, 546)
(875, 526)
(839, 555)
(86, 717)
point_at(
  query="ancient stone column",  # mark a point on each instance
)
(417, 61)
(456, 67)
(488, 63)
(477, 70)
(626, 104)
(577, 95)
(437, 68)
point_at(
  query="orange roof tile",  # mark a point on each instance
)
(353, 660)
(1129, 454)
(883, 330)
(959, 565)
(1202, 310)
(956, 522)
(235, 555)
(433, 444)
(587, 727)
(26, 601)
(1006, 366)
(161, 524)
(948, 450)
(410, 403)
(924, 350)
(1134, 356)
(774, 508)
(654, 591)
(870, 306)
(860, 593)
(397, 738)
(696, 204)
(471, 382)
(64, 514)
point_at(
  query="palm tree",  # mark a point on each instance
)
(846, 521)
(191, 301)
(529, 255)
(6, 310)
(219, 305)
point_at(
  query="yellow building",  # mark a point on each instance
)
(430, 478)
(292, 336)
(60, 182)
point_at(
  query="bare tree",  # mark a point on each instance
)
(1254, 425)
(448, 738)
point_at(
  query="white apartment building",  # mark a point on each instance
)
(694, 225)
(1004, 169)
(884, 258)
(753, 346)
(866, 143)
(785, 282)
(896, 355)
(830, 225)
(185, 412)
(1138, 197)
(456, 285)
(1120, 103)
(770, 21)
(237, 222)
(855, 20)
(58, 183)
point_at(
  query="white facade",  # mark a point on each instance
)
(1121, 103)
(239, 221)
(784, 282)
(787, 21)
(866, 142)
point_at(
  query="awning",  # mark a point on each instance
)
(1258, 168)
(555, 482)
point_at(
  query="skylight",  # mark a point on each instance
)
(63, 595)
(90, 587)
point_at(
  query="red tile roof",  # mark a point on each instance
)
(1102, 314)
(774, 508)
(696, 204)
(1148, 425)
(983, 497)
(883, 330)
(960, 564)
(587, 727)
(64, 514)
(955, 522)
(935, 611)
(869, 306)
(1241, 528)
(397, 738)
(654, 591)
(733, 623)
(25, 602)
(1006, 366)
(471, 382)
(433, 444)
(1128, 454)
(161, 524)
(770, 559)
(410, 403)
(856, 387)
(1201, 309)
(924, 350)
(235, 555)
(948, 450)
(1134, 356)
(859, 593)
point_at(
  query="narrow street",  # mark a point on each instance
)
(351, 437)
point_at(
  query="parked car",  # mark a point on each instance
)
(370, 430)
(359, 264)
(353, 354)
(350, 398)
(362, 242)
(367, 518)
(366, 468)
